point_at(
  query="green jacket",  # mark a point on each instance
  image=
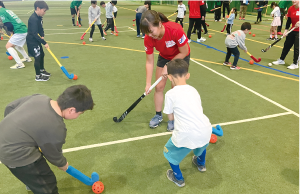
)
(9, 16)
(75, 3)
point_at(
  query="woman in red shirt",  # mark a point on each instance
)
(292, 38)
(172, 43)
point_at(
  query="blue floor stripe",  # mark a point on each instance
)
(246, 59)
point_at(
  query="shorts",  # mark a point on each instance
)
(175, 155)
(18, 39)
(35, 50)
(73, 11)
(162, 61)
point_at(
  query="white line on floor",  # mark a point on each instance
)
(30, 11)
(256, 93)
(167, 133)
(77, 28)
(81, 33)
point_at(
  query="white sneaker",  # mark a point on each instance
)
(18, 66)
(143, 37)
(215, 20)
(26, 60)
(278, 62)
(293, 66)
(203, 39)
(90, 39)
(189, 41)
(104, 38)
(220, 20)
(198, 40)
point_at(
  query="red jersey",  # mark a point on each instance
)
(202, 2)
(173, 38)
(194, 9)
(293, 13)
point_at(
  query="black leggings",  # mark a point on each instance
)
(179, 20)
(236, 54)
(291, 39)
(203, 23)
(226, 6)
(259, 16)
(197, 23)
(229, 28)
(282, 11)
(110, 24)
(93, 28)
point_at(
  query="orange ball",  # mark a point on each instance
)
(116, 34)
(84, 42)
(250, 32)
(75, 77)
(79, 25)
(133, 24)
(10, 57)
(251, 62)
(1, 37)
(210, 36)
(253, 35)
(98, 187)
(213, 138)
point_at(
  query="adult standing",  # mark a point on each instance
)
(195, 19)
(170, 40)
(243, 9)
(291, 38)
(226, 5)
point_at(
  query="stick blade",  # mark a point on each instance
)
(115, 120)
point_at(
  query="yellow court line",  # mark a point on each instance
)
(257, 71)
(126, 8)
(141, 51)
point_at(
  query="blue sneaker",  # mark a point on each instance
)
(201, 168)
(156, 120)
(170, 125)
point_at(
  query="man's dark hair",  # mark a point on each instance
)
(102, 2)
(1, 4)
(177, 67)
(93, 2)
(77, 96)
(41, 5)
(245, 25)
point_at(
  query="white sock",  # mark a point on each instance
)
(22, 51)
(14, 54)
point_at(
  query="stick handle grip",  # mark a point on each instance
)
(289, 31)
(154, 84)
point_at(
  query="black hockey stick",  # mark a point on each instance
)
(265, 50)
(135, 103)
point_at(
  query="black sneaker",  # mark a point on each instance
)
(45, 73)
(270, 39)
(171, 177)
(42, 78)
(206, 33)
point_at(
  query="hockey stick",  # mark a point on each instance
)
(104, 24)
(82, 37)
(135, 103)
(261, 7)
(77, 20)
(256, 60)
(81, 177)
(115, 26)
(207, 24)
(215, 8)
(224, 26)
(218, 130)
(172, 15)
(265, 50)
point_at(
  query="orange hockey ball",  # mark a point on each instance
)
(84, 42)
(98, 187)
(253, 35)
(10, 57)
(75, 77)
(133, 24)
(210, 36)
(213, 138)
(250, 32)
(251, 62)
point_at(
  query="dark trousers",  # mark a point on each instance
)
(236, 54)
(197, 23)
(291, 39)
(93, 28)
(36, 51)
(37, 176)
(110, 24)
(115, 14)
(259, 16)
(179, 20)
(226, 6)
(217, 13)
(281, 18)
(229, 28)
(138, 18)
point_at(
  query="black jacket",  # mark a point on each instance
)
(35, 28)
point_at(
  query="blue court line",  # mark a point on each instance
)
(246, 59)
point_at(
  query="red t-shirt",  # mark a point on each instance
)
(202, 2)
(194, 9)
(173, 38)
(293, 13)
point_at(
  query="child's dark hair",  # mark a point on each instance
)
(274, 3)
(94, 2)
(180, 1)
(77, 96)
(177, 67)
(41, 5)
(151, 17)
(1, 4)
(234, 8)
(245, 25)
(149, 3)
(102, 2)
(114, 2)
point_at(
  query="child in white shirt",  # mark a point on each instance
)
(276, 21)
(181, 12)
(94, 15)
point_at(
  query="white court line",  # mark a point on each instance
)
(78, 28)
(79, 33)
(30, 11)
(132, 29)
(166, 133)
(256, 93)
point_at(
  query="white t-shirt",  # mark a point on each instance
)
(181, 9)
(192, 129)
(115, 9)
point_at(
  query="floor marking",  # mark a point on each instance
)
(78, 28)
(81, 32)
(30, 11)
(256, 93)
(132, 29)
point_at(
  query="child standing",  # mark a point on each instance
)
(260, 5)
(181, 12)
(234, 40)
(75, 9)
(40, 124)
(139, 12)
(94, 15)
(18, 39)
(192, 128)
(230, 20)
(109, 15)
(217, 12)
(35, 38)
(115, 11)
(276, 21)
